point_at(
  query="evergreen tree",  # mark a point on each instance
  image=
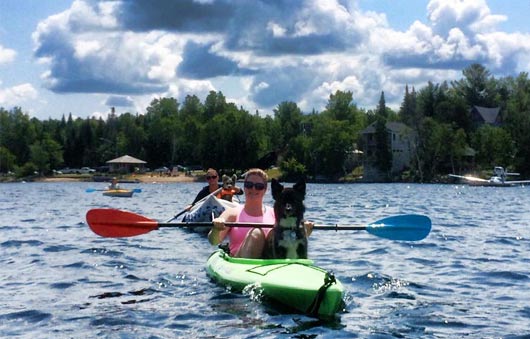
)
(407, 111)
(383, 152)
(477, 87)
(289, 118)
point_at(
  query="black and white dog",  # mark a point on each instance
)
(288, 239)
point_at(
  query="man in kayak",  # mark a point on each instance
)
(114, 184)
(247, 242)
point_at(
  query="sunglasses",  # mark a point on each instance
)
(257, 185)
(208, 177)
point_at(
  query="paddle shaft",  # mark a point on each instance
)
(250, 225)
(90, 190)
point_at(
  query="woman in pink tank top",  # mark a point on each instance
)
(244, 241)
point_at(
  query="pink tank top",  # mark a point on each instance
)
(237, 234)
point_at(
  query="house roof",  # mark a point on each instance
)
(394, 126)
(126, 159)
(488, 114)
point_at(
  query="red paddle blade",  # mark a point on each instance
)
(115, 223)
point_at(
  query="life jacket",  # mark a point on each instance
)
(226, 194)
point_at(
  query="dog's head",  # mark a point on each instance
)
(289, 202)
(228, 182)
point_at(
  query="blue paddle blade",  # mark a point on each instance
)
(137, 190)
(410, 227)
(90, 190)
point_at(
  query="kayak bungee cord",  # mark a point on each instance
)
(315, 305)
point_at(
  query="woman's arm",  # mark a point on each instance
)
(219, 230)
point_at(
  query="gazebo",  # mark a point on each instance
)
(125, 164)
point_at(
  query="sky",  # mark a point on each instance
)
(85, 56)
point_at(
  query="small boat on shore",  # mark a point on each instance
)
(295, 284)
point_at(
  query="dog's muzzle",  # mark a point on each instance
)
(289, 210)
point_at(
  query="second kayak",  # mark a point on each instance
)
(205, 210)
(119, 193)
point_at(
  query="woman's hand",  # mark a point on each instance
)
(219, 224)
(214, 236)
(308, 225)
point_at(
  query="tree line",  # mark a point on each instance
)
(216, 133)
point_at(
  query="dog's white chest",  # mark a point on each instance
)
(289, 239)
(291, 245)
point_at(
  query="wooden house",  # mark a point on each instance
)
(402, 141)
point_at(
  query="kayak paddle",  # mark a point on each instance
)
(115, 223)
(90, 190)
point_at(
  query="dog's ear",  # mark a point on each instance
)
(300, 187)
(234, 179)
(276, 189)
(225, 180)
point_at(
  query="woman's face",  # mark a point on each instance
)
(211, 178)
(255, 192)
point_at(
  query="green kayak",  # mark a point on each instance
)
(295, 283)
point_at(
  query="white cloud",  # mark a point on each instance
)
(262, 85)
(276, 29)
(471, 16)
(182, 88)
(301, 51)
(85, 48)
(102, 15)
(507, 50)
(16, 95)
(98, 115)
(7, 55)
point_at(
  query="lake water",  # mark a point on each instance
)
(470, 278)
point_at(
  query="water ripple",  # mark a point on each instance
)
(31, 316)
(469, 278)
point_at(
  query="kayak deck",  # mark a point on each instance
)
(204, 211)
(295, 283)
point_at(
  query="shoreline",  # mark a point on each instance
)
(145, 179)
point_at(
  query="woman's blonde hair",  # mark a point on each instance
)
(259, 172)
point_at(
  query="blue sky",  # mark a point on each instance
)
(83, 57)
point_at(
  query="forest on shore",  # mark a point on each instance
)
(216, 133)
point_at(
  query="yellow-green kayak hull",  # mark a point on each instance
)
(297, 284)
